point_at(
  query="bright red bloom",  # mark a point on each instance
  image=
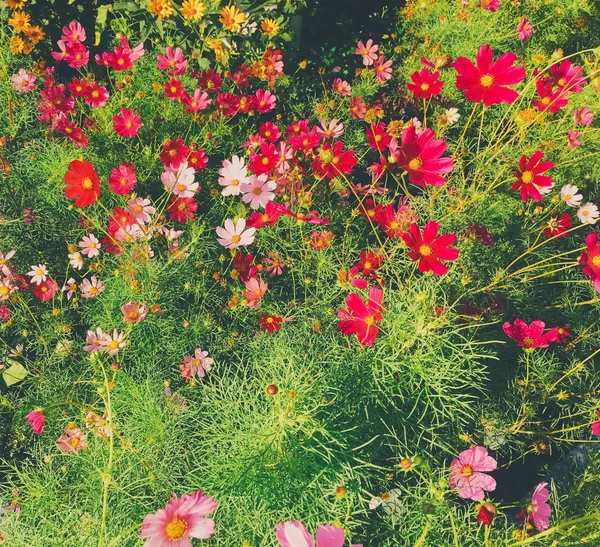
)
(122, 179)
(180, 209)
(306, 140)
(487, 82)
(549, 100)
(378, 137)
(269, 322)
(331, 161)
(119, 221)
(361, 318)
(591, 259)
(557, 226)
(174, 153)
(82, 183)
(269, 131)
(266, 160)
(268, 218)
(174, 89)
(562, 333)
(420, 157)
(367, 266)
(530, 336)
(425, 84)
(227, 104)
(296, 127)
(96, 95)
(197, 158)
(429, 249)
(247, 103)
(530, 178)
(45, 290)
(395, 222)
(127, 123)
(596, 425)
(36, 421)
(78, 88)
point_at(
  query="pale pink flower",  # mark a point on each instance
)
(141, 209)
(60, 55)
(540, 509)
(111, 344)
(342, 87)
(71, 287)
(334, 130)
(286, 153)
(232, 236)
(368, 52)
(100, 423)
(6, 288)
(38, 274)
(256, 289)
(294, 534)
(134, 312)
(232, 175)
(196, 365)
(467, 473)
(259, 191)
(525, 29)
(180, 181)
(23, 81)
(382, 69)
(198, 101)
(73, 441)
(174, 61)
(179, 521)
(4, 258)
(90, 246)
(569, 195)
(94, 340)
(583, 116)
(73, 33)
(588, 213)
(573, 136)
(91, 288)
(75, 260)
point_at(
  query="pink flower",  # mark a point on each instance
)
(294, 534)
(590, 258)
(71, 288)
(467, 473)
(45, 290)
(90, 246)
(334, 130)
(531, 336)
(583, 116)
(525, 29)
(258, 191)
(141, 209)
(596, 425)
(540, 509)
(73, 33)
(233, 175)
(196, 365)
(23, 81)
(122, 179)
(265, 101)
(76, 55)
(111, 344)
(94, 340)
(179, 521)
(357, 108)
(127, 123)
(96, 95)
(73, 441)
(38, 274)
(36, 421)
(573, 136)
(382, 69)
(232, 236)
(490, 5)
(360, 318)
(368, 52)
(91, 289)
(256, 289)
(342, 87)
(174, 61)
(180, 180)
(134, 312)
(198, 101)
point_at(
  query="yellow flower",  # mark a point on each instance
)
(17, 45)
(20, 21)
(15, 4)
(161, 8)
(232, 18)
(216, 46)
(270, 27)
(36, 34)
(194, 10)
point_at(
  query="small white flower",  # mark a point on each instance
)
(570, 196)
(452, 115)
(180, 181)
(76, 261)
(38, 274)
(389, 500)
(588, 213)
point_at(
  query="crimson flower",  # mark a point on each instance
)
(174, 153)
(82, 183)
(486, 514)
(45, 290)
(487, 81)
(269, 322)
(429, 249)
(227, 104)
(244, 266)
(531, 336)
(378, 137)
(557, 226)
(395, 222)
(562, 333)
(591, 260)
(266, 160)
(425, 84)
(174, 89)
(568, 76)
(180, 209)
(549, 100)
(530, 178)
(306, 140)
(596, 425)
(331, 161)
(268, 218)
(361, 318)
(420, 157)
(127, 123)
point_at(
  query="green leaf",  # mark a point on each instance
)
(15, 374)
(100, 22)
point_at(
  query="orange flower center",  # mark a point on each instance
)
(424, 87)
(528, 342)
(415, 164)
(128, 125)
(527, 177)
(562, 82)
(546, 100)
(367, 266)
(4, 291)
(235, 182)
(487, 80)
(93, 290)
(265, 161)
(133, 315)
(74, 442)
(596, 261)
(235, 239)
(87, 183)
(176, 529)
(466, 471)
(257, 191)
(425, 250)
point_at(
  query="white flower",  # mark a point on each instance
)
(233, 236)
(588, 213)
(76, 261)
(180, 181)
(38, 274)
(91, 289)
(452, 115)
(389, 500)
(570, 196)
(233, 175)
(544, 189)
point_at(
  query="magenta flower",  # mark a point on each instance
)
(382, 69)
(361, 318)
(540, 509)
(467, 473)
(573, 136)
(127, 123)
(74, 32)
(531, 336)
(294, 534)
(180, 520)
(525, 29)
(583, 116)
(36, 421)
(174, 61)
(368, 52)
(596, 425)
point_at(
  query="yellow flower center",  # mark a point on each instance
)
(415, 164)
(40, 272)
(181, 187)
(367, 266)
(562, 82)
(176, 529)
(87, 183)
(265, 161)
(425, 250)
(4, 291)
(133, 315)
(528, 342)
(93, 290)
(487, 80)
(527, 177)
(568, 197)
(369, 321)
(424, 87)
(235, 239)
(74, 442)
(596, 261)
(466, 471)
(546, 100)
(114, 344)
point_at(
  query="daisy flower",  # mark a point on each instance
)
(232, 175)
(452, 115)
(94, 340)
(90, 246)
(258, 192)
(569, 195)
(91, 289)
(588, 213)
(232, 236)
(38, 274)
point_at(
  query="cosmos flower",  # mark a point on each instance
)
(127, 123)
(588, 213)
(90, 246)
(134, 312)
(258, 191)
(367, 51)
(72, 441)
(389, 501)
(468, 473)
(530, 179)
(590, 259)
(540, 509)
(425, 84)
(294, 534)
(232, 236)
(524, 30)
(82, 183)
(232, 175)
(428, 249)
(569, 195)
(173, 61)
(196, 365)
(531, 336)
(36, 421)
(361, 318)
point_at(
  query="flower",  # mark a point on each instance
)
(490, 5)
(531, 336)
(361, 318)
(487, 82)
(73, 441)
(425, 84)
(161, 8)
(596, 425)
(95, 341)
(232, 236)
(74, 32)
(467, 473)
(573, 136)
(258, 191)
(76, 261)
(525, 29)
(180, 180)
(38, 274)
(569, 195)
(342, 87)
(382, 69)
(540, 509)
(429, 249)
(174, 89)
(420, 156)
(232, 175)
(71, 287)
(568, 76)
(111, 344)
(232, 18)
(294, 534)
(122, 179)
(334, 130)
(486, 514)
(265, 101)
(583, 116)
(82, 183)
(270, 27)
(368, 52)
(193, 10)
(23, 81)
(180, 520)
(530, 180)
(174, 61)
(36, 421)
(591, 259)
(96, 95)
(557, 226)
(141, 209)
(196, 365)
(255, 290)
(127, 123)
(269, 322)
(174, 153)
(588, 213)
(181, 209)
(91, 289)
(331, 161)
(198, 101)
(388, 500)
(45, 290)
(134, 312)
(90, 246)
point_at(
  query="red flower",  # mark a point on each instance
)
(378, 137)
(487, 82)
(331, 161)
(306, 140)
(529, 177)
(269, 131)
(82, 183)
(420, 157)
(174, 89)
(174, 153)
(181, 209)
(227, 104)
(596, 425)
(361, 318)
(266, 160)
(568, 76)
(425, 84)
(244, 266)
(395, 222)
(558, 226)
(486, 514)
(429, 249)
(367, 265)
(122, 179)
(45, 290)
(96, 95)
(127, 123)
(269, 322)
(209, 80)
(268, 218)
(78, 88)
(562, 333)
(36, 421)
(591, 260)
(198, 159)
(530, 336)
(549, 100)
